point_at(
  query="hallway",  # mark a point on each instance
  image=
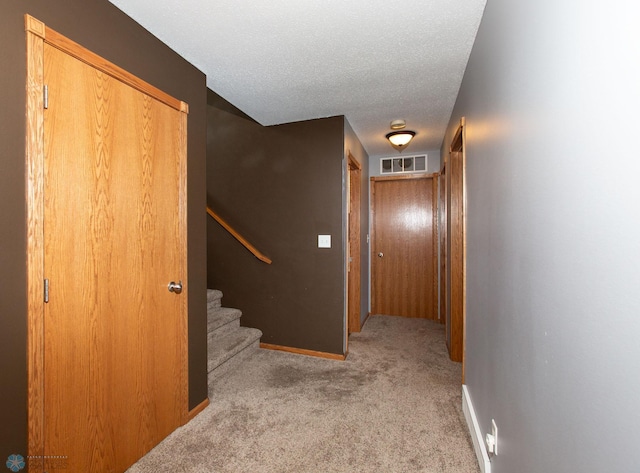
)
(393, 406)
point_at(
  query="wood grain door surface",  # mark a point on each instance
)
(442, 227)
(114, 237)
(455, 251)
(354, 260)
(404, 258)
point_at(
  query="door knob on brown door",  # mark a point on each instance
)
(175, 287)
(380, 255)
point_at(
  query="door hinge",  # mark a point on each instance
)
(46, 97)
(46, 290)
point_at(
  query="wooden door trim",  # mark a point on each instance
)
(463, 133)
(35, 243)
(353, 276)
(72, 48)
(457, 137)
(353, 162)
(442, 243)
(403, 176)
(37, 35)
(458, 145)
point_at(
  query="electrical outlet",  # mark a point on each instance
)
(489, 440)
(492, 439)
(494, 432)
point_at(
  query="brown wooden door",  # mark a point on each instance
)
(353, 263)
(114, 237)
(442, 227)
(404, 248)
(455, 235)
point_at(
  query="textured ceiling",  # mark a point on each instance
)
(282, 61)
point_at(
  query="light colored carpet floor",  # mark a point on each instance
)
(393, 406)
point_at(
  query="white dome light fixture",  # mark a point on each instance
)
(400, 139)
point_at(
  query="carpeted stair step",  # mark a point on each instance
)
(228, 344)
(227, 351)
(214, 299)
(222, 320)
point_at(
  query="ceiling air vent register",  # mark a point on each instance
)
(403, 165)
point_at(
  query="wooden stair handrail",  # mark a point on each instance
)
(239, 237)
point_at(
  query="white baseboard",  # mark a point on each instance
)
(474, 430)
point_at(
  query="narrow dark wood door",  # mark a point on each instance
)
(353, 263)
(455, 250)
(404, 258)
(442, 227)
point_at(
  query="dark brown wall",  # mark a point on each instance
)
(280, 187)
(102, 28)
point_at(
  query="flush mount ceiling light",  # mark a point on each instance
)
(398, 124)
(400, 139)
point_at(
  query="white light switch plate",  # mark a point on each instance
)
(324, 241)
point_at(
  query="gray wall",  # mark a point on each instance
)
(553, 323)
(101, 27)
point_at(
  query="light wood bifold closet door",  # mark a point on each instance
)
(114, 345)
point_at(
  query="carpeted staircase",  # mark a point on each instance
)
(228, 343)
